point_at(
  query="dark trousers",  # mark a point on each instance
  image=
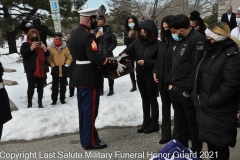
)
(88, 103)
(1, 128)
(148, 90)
(132, 74)
(185, 118)
(220, 153)
(71, 88)
(110, 84)
(166, 114)
(63, 85)
(32, 80)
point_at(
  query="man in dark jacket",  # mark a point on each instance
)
(43, 30)
(185, 58)
(5, 112)
(106, 42)
(87, 77)
(229, 18)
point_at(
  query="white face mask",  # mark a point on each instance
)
(238, 21)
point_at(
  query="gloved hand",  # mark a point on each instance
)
(66, 65)
(121, 67)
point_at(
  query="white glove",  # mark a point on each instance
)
(66, 65)
(120, 68)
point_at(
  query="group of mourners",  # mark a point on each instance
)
(195, 67)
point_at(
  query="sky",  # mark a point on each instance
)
(124, 108)
(95, 3)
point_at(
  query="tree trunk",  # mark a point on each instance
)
(11, 42)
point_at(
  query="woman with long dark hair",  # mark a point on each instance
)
(197, 22)
(145, 50)
(160, 74)
(131, 25)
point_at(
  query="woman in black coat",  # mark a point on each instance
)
(160, 74)
(131, 25)
(216, 90)
(5, 112)
(34, 53)
(106, 42)
(145, 49)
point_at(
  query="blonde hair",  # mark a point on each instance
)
(222, 29)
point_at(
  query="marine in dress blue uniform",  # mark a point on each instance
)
(87, 77)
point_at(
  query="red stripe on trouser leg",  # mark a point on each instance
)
(93, 115)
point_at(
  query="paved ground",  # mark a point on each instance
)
(123, 143)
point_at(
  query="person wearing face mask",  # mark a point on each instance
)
(106, 42)
(185, 57)
(59, 60)
(229, 18)
(217, 89)
(160, 75)
(197, 23)
(43, 31)
(236, 31)
(131, 25)
(87, 77)
(145, 48)
(34, 53)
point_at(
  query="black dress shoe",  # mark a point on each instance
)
(150, 130)
(99, 146)
(162, 141)
(140, 130)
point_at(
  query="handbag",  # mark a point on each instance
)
(45, 68)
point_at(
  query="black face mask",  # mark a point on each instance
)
(34, 39)
(207, 42)
(94, 25)
(36, 24)
(167, 33)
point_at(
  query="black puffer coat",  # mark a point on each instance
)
(216, 95)
(107, 42)
(144, 51)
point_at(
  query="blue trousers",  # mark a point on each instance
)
(88, 103)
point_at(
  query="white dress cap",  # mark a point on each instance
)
(89, 12)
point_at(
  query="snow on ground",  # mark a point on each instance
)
(124, 108)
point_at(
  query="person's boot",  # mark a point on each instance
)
(29, 104)
(62, 101)
(40, 105)
(110, 93)
(134, 87)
